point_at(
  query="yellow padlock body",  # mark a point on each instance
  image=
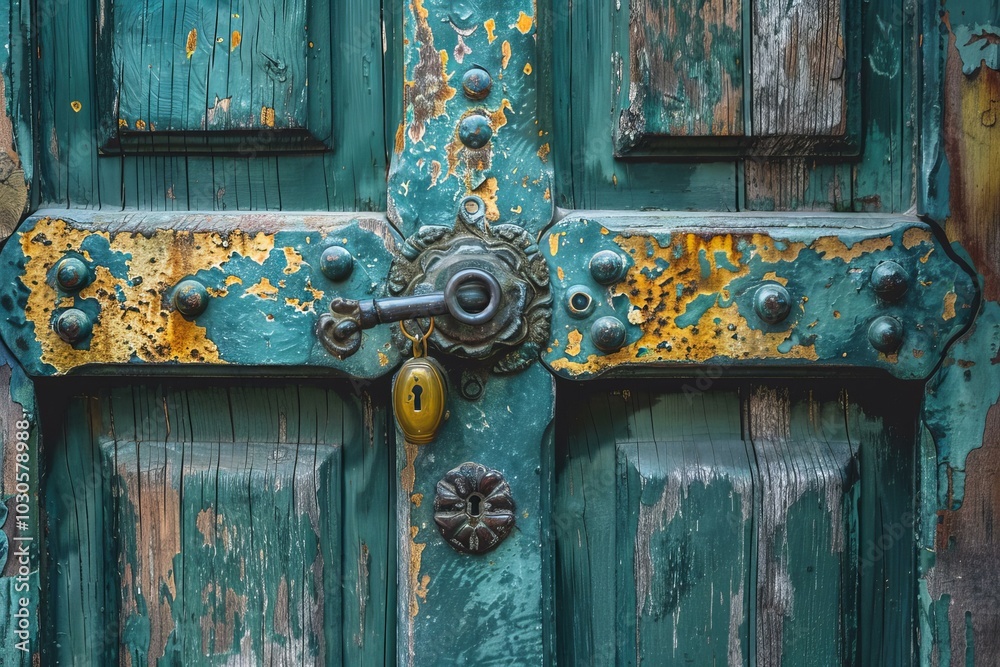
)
(419, 397)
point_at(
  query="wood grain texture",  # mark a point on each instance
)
(685, 71)
(193, 525)
(739, 517)
(16, 117)
(960, 623)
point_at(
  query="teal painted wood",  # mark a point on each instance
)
(688, 295)
(263, 276)
(735, 543)
(432, 168)
(350, 178)
(177, 67)
(19, 515)
(275, 517)
(458, 608)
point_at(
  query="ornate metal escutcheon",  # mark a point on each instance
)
(473, 508)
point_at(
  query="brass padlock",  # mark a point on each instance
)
(419, 394)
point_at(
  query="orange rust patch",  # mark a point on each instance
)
(419, 589)
(543, 152)
(491, 30)
(429, 91)
(574, 338)
(560, 273)
(293, 261)
(417, 499)
(949, 306)
(505, 50)
(191, 45)
(76, 106)
(656, 304)
(488, 193)
(830, 247)
(523, 23)
(267, 116)
(235, 40)
(263, 290)
(527, 69)
(914, 236)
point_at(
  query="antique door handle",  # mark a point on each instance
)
(471, 296)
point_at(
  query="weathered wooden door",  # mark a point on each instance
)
(702, 296)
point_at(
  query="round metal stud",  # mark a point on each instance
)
(607, 267)
(885, 334)
(890, 281)
(474, 508)
(73, 326)
(190, 298)
(462, 293)
(476, 83)
(336, 263)
(474, 131)
(580, 302)
(608, 334)
(772, 303)
(72, 274)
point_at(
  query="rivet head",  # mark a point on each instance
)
(772, 303)
(580, 301)
(190, 298)
(890, 281)
(336, 263)
(476, 83)
(885, 334)
(73, 325)
(607, 267)
(474, 131)
(72, 274)
(608, 334)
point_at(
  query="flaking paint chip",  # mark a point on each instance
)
(75, 105)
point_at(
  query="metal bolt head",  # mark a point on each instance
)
(885, 334)
(73, 326)
(772, 303)
(476, 83)
(474, 131)
(608, 334)
(607, 267)
(580, 301)
(890, 281)
(336, 263)
(72, 274)
(190, 298)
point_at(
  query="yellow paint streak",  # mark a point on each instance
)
(267, 116)
(293, 261)
(647, 288)
(554, 243)
(142, 325)
(574, 338)
(831, 247)
(560, 273)
(192, 43)
(505, 50)
(491, 30)
(400, 139)
(524, 23)
(235, 40)
(949, 306)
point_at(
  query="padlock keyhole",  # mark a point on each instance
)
(417, 390)
(475, 505)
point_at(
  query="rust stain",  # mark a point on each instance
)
(554, 243)
(658, 299)
(206, 526)
(523, 23)
(435, 173)
(429, 91)
(191, 44)
(574, 338)
(830, 247)
(914, 236)
(475, 159)
(76, 106)
(543, 152)
(262, 290)
(383, 360)
(527, 69)
(505, 50)
(418, 585)
(267, 116)
(417, 499)
(949, 306)
(408, 476)
(488, 193)
(560, 273)
(139, 324)
(491, 30)
(235, 40)
(293, 261)
(400, 143)
(140, 124)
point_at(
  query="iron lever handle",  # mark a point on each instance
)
(471, 296)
